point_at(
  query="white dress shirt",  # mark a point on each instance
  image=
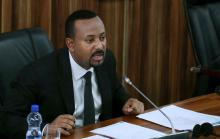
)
(78, 87)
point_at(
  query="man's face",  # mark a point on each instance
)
(88, 46)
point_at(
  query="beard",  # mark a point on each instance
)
(97, 58)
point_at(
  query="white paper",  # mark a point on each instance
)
(182, 119)
(95, 137)
(124, 130)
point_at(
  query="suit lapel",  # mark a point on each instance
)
(66, 84)
(105, 91)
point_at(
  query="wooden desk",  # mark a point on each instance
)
(209, 104)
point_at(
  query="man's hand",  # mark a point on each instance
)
(65, 122)
(133, 106)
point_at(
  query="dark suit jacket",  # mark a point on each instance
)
(48, 82)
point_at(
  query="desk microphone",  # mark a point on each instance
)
(128, 81)
(204, 129)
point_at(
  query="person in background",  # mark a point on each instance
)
(74, 86)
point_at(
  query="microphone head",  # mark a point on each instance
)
(196, 132)
(206, 129)
(127, 80)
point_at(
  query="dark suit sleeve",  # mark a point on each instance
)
(120, 96)
(19, 101)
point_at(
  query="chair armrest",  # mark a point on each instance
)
(206, 71)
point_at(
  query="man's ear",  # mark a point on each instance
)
(70, 44)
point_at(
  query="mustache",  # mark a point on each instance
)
(98, 52)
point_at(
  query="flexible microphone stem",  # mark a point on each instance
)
(128, 81)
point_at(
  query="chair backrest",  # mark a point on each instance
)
(17, 49)
(203, 19)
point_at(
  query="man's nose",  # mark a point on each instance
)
(99, 44)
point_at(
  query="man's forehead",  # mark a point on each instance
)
(89, 26)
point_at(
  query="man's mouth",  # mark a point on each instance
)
(98, 55)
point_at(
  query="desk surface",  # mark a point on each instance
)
(209, 104)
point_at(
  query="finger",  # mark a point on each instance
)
(131, 102)
(71, 131)
(135, 107)
(64, 132)
(130, 106)
(67, 116)
(127, 105)
(66, 126)
(69, 122)
(132, 110)
(65, 119)
(63, 123)
(127, 110)
(139, 108)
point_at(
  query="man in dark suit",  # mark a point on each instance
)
(59, 82)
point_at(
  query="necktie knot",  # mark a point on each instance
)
(87, 76)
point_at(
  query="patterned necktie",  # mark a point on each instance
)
(89, 110)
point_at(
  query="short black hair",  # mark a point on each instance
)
(77, 15)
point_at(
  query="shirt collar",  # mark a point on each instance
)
(77, 70)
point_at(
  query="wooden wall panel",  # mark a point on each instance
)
(62, 8)
(166, 52)
(136, 35)
(112, 12)
(6, 15)
(45, 16)
(155, 51)
(22, 14)
(148, 37)
(61, 12)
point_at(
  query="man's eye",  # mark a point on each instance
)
(102, 38)
(90, 40)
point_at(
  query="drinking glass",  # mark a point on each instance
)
(52, 133)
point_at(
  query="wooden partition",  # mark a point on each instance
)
(148, 37)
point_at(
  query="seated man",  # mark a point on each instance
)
(61, 81)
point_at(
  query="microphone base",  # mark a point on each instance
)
(179, 135)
